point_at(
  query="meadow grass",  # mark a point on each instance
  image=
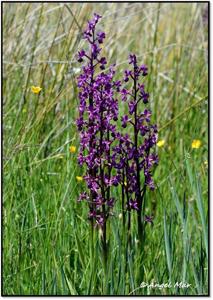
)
(46, 235)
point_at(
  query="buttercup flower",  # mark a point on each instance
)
(36, 89)
(160, 143)
(196, 144)
(79, 178)
(72, 149)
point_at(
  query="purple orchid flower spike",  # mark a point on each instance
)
(98, 112)
(111, 157)
(136, 156)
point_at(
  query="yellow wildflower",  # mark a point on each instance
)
(72, 149)
(79, 178)
(125, 183)
(36, 89)
(196, 144)
(160, 143)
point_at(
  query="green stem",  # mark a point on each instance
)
(182, 113)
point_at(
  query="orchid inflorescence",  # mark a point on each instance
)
(113, 158)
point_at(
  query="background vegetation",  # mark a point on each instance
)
(46, 235)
